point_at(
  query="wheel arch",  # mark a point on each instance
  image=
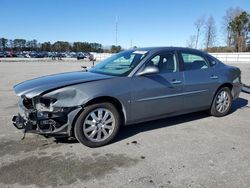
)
(227, 84)
(100, 99)
(112, 100)
(212, 108)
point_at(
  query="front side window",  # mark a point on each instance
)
(194, 62)
(166, 62)
(120, 64)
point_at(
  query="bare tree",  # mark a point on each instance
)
(191, 42)
(199, 23)
(230, 15)
(210, 32)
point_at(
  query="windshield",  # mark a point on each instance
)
(120, 64)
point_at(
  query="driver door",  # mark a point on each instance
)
(158, 95)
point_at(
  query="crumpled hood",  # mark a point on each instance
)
(35, 87)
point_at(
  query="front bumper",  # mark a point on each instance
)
(56, 125)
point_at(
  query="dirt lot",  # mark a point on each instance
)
(192, 150)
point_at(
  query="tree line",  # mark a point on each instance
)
(235, 31)
(18, 45)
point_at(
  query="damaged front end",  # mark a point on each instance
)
(40, 115)
(48, 105)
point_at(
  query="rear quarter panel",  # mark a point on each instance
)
(232, 75)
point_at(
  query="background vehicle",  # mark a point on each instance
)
(130, 87)
(10, 54)
(2, 54)
(80, 55)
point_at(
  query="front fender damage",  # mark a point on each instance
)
(67, 97)
(51, 113)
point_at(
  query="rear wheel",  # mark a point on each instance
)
(222, 102)
(97, 125)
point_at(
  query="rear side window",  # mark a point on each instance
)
(194, 62)
(211, 60)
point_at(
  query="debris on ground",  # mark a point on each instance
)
(134, 142)
(246, 88)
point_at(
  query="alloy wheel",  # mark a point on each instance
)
(222, 101)
(98, 125)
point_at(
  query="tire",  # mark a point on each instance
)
(93, 129)
(221, 105)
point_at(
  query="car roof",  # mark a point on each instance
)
(155, 49)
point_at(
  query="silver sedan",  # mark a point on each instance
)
(129, 87)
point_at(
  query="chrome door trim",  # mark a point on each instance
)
(171, 95)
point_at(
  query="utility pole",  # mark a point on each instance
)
(116, 31)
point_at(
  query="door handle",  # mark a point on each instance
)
(176, 82)
(214, 77)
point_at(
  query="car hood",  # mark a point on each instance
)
(37, 86)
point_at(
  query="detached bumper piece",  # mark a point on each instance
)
(49, 127)
(21, 123)
(245, 88)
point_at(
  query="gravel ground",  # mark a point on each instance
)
(193, 150)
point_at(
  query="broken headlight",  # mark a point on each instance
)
(27, 103)
(45, 104)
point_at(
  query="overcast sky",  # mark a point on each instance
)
(144, 22)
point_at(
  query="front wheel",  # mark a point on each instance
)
(222, 102)
(97, 125)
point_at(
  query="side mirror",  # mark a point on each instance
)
(149, 70)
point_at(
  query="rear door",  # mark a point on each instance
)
(159, 94)
(201, 80)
